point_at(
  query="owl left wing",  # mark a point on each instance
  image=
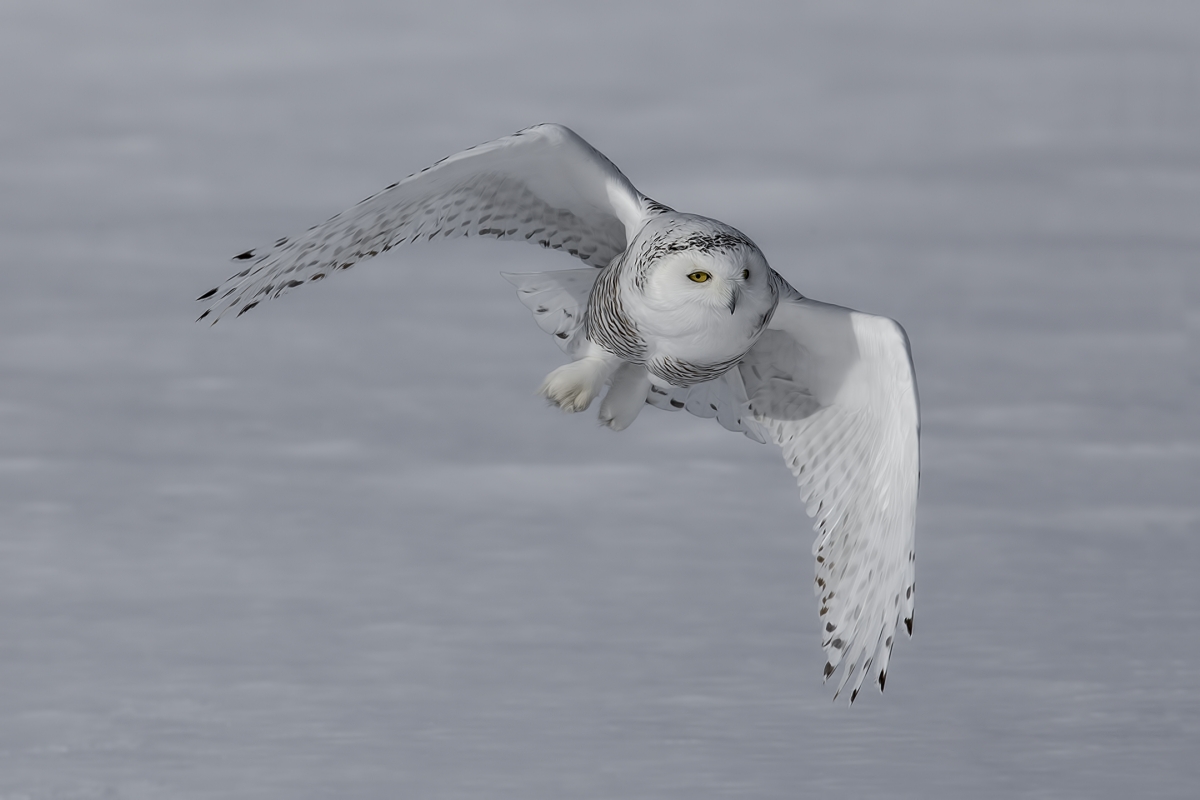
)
(543, 185)
(835, 389)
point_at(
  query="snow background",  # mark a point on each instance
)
(337, 548)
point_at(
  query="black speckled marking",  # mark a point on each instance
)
(655, 207)
(607, 323)
(680, 235)
(683, 373)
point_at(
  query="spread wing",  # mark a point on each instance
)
(544, 185)
(835, 389)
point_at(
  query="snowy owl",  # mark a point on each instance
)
(678, 311)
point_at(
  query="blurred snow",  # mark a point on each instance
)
(338, 548)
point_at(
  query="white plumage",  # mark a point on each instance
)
(680, 312)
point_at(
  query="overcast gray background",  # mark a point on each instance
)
(338, 548)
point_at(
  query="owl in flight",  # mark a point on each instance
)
(677, 311)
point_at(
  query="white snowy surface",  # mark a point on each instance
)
(337, 548)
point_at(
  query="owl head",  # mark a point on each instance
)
(694, 265)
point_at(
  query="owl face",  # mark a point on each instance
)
(713, 283)
(717, 282)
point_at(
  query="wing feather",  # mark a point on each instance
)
(558, 301)
(835, 390)
(723, 398)
(544, 185)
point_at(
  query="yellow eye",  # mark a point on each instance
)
(698, 276)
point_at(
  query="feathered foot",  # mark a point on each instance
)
(626, 396)
(573, 387)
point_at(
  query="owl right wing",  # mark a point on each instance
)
(544, 185)
(558, 301)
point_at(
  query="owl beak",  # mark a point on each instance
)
(733, 298)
